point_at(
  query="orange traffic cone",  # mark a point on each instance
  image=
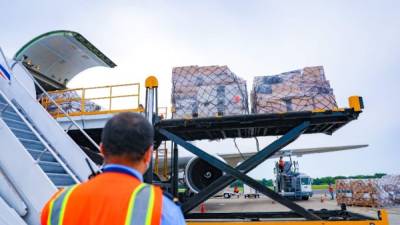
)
(202, 208)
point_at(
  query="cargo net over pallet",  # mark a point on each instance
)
(207, 91)
(299, 90)
(381, 192)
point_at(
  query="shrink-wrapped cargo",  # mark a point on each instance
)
(344, 194)
(381, 192)
(298, 90)
(207, 91)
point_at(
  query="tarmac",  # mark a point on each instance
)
(266, 204)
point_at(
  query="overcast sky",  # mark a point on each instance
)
(357, 42)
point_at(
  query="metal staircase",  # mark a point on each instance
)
(35, 144)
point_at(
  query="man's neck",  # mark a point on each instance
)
(140, 167)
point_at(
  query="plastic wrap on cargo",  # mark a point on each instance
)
(69, 101)
(344, 194)
(381, 192)
(298, 90)
(207, 91)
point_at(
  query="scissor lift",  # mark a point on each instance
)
(289, 126)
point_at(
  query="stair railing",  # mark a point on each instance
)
(46, 145)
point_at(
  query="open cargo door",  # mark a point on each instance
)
(54, 58)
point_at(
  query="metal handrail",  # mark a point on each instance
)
(65, 113)
(83, 100)
(55, 103)
(52, 152)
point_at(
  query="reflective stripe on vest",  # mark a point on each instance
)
(141, 205)
(141, 208)
(57, 207)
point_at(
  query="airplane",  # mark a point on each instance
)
(196, 174)
(47, 157)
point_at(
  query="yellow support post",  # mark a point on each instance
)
(110, 98)
(156, 162)
(83, 102)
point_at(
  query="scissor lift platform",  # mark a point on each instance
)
(288, 126)
(256, 125)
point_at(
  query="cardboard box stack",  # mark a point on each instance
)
(207, 91)
(381, 192)
(299, 90)
(363, 189)
(343, 192)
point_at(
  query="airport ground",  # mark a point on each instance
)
(266, 204)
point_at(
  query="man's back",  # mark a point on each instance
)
(118, 195)
(102, 200)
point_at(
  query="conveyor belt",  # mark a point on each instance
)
(254, 125)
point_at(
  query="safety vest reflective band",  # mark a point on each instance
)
(141, 205)
(145, 205)
(57, 207)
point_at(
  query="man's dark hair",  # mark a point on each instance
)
(127, 134)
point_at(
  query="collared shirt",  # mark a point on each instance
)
(171, 213)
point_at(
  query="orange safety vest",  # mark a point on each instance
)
(110, 198)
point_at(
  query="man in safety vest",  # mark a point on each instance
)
(118, 195)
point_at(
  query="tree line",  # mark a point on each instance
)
(332, 180)
(316, 181)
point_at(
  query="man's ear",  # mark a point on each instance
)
(102, 152)
(148, 154)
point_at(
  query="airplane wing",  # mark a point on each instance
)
(235, 158)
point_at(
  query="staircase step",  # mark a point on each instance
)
(7, 107)
(11, 115)
(15, 123)
(32, 144)
(26, 134)
(46, 156)
(51, 167)
(61, 179)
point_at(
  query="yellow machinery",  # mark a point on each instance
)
(289, 127)
(161, 160)
(383, 220)
(183, 131)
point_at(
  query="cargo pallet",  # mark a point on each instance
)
(289, 126)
